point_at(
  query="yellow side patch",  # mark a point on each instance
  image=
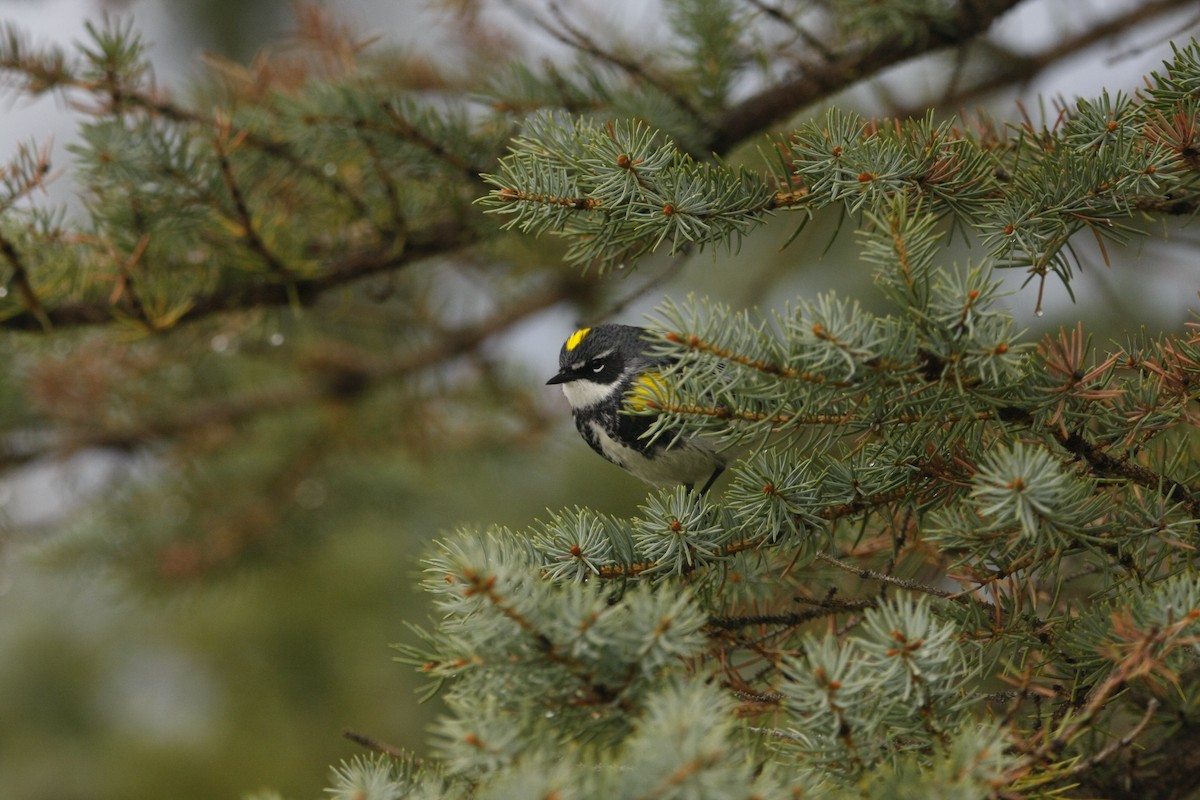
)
(576, 338)
(648, 392)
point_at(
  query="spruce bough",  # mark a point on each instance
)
(953, 563)
(1027, 598)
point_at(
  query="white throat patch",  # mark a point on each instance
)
(585, 394)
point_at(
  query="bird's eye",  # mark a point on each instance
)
(597, 366)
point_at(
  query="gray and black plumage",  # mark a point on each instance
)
(597, 368)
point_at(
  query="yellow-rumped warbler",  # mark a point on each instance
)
(603, 370)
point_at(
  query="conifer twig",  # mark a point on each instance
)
(432, 242)
(20, 278)
(375, 745)
(902, 583)
(339, 382)
(577, 38)
(1117, 744)
(776, 102)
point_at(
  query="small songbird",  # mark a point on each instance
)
(604, 370)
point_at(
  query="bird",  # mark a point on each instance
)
(605, 371)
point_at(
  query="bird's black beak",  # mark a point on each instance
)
(561, 377)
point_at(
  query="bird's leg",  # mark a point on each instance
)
(711, 480)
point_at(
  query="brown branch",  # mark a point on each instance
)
(438, 241)
(127, 283)
(324, 381)
(1103, 465)
(1146, 653)
(902, 583)
(831, 513)
(823, 608)
(775, 103)
(412, 134)
(572, 36)
(784, 18)
(243, 217)
(1175, 774)
(1009, 67)
(1088, 764)
(1184, 205)
(38, 317)
(597, 692)
(273, 148)
(53, 74)
(390, 191)
(374, 745)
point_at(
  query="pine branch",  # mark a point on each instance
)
(775, 103)
(35, 313)
(790, 620)
(1117, 745)
(340, 381)
(1104, 465)
(242, 216)
(434, 242)
(570, 34)
(892, 580)
(374, 745)
(1007, 68)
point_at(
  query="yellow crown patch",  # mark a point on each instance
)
(576, 338)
